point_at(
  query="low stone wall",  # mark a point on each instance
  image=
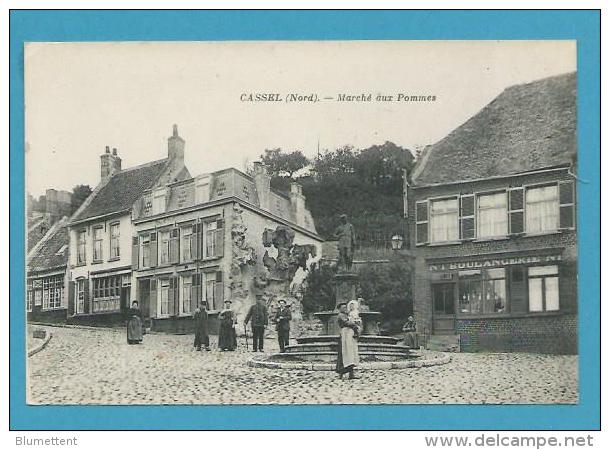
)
(553, 334)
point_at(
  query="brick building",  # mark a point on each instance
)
(46, 296)
(220, 235)
(492, 216)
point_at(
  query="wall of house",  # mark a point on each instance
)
(553, 332)
(182, 323)
(122, 264)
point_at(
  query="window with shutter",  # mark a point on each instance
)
(135, 252)
(567, 211)
(515, 204)
(219, 289)
(154, 249)
(467, 224)
(174, 246)
(153, 298)
(421, 222)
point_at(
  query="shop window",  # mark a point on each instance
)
(98, 241)
(115, 236)
(106, 294)
(492, 217)
(482, 291)
(52, 292)
(444, 220)
(543, 284)
(542, 209)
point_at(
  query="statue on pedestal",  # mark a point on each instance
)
(347, 241)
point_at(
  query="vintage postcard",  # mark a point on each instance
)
(339, 222)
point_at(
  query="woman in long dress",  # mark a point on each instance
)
(134, 324)
(347, 358)
(227, 337)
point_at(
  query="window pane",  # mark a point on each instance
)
(492, 219)
(542, 209)
(535, 294)
(444, 220)
(551, 291)
(471, 296)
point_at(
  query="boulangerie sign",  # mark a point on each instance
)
(494, 262)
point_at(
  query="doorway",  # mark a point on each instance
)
(443, 299)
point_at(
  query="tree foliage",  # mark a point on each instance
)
(282, 164)
(79, 195)
(385, 288)
(365, 184)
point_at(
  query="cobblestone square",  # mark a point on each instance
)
(96, 366)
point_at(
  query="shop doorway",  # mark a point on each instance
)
(444, 299)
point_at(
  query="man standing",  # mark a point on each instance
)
(282, 324)
(260, 319)
(202, 331)
(347, 240)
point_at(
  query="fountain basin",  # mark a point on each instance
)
(417, 359)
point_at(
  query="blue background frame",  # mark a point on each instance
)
(583, 26)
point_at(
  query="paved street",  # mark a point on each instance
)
(84, 366)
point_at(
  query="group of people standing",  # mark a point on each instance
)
(257, 316)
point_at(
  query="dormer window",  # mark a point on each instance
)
(159, 198)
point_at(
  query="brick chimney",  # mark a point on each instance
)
(262, 181)
(110, 163)
(175, 147)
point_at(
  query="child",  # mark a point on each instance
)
(353, 314)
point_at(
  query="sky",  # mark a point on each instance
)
(82, 97)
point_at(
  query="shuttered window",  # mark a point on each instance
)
(567, 210)
(467, 220)
(421, 222)
(214, 289)
(515, 212)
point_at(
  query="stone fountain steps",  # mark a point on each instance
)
(330, 356)
(335, 339)
(363, 347)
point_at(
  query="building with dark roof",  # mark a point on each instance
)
(204, 238)
(46, 297)
(492, 218)
(155, 234)
(100, 234)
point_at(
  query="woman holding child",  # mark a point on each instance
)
(350, 326)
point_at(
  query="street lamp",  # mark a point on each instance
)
(396, 242)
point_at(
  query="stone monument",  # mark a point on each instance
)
(346, 282)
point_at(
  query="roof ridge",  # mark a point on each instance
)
(139, 166)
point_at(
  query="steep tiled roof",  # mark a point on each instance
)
(52, 253)
(527, 127)
(121, 191)
(37, 228)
